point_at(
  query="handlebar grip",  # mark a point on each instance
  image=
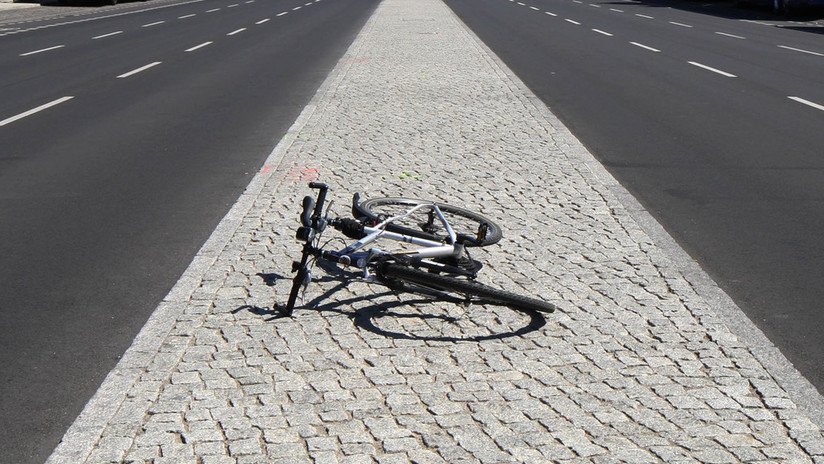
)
(306, 215)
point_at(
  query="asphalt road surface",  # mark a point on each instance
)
(123, 142)
(712, 117)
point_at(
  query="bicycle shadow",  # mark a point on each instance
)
(367, 317)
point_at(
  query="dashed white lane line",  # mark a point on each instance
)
(263, 21)
(232, 5)
(522, 4)
(602, 32)
(196, 47)
(283, 13)
(709, 68)
(680, 24)
(616, 10)
(550, 13)
(186, 16)
(800, 50)
(296, 8)
(307, 4)
(573, 22)
(42, 50)
(799, 100)
(34, 110)
(643, 16)
(594, 5)
(646, 47)
(730, 35)
(140, 69)
(106, 35)
(212, 10)
(534, 8)
(237, 31)
(153, 24)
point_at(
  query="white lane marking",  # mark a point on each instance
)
(643, 16)
(534, 8)
(249, 1)
(212, 10)
(34, 110)
(232, 5)
(186, 16)
(142, 68)
(708, 68)
(800, 50)
(107, 35)
(153, 24)
(680, 24)
(296, 8)
(263, 21)
(281, 14)
(237, 31)
(204, 44)
(550, 13)
(573, 22)
(594, 5)
(307, 4)
(730, 35)
(522, 4)
(616, 10)
(577, 1)
(647, 47)
(798, 99)
(602, 32)
(42, 50)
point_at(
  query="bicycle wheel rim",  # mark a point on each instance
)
(465, 223)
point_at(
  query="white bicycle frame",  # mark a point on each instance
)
(429, 248)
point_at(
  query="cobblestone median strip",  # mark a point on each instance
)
(635, 367)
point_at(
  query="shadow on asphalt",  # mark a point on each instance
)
(731, 9)
(366, 318)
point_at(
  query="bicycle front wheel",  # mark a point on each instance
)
(471, 229)
(465, 287)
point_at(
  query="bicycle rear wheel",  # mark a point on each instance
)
(465, 287)
(471, 229)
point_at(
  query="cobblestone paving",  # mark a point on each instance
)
(634, 367)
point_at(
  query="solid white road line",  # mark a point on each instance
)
(186, 16)
(800, 50)
(730, 35)
(602, 32)
(34, 110)
(153, 24)
(798, 99)
(281, 14)
(237, 31)
(680, 24)
(42, 50)
(644, 16)
(107, 35)
(263, 21)
(549, 13)
(573, 22)
(142, 68)
(646, 47)
(708, 68)
(199, 46)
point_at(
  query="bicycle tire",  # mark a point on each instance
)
(467, 287)
(465, 223)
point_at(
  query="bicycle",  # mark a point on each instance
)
(440, 264)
